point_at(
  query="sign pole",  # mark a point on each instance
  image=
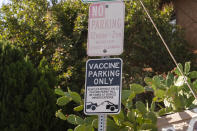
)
(102, 123)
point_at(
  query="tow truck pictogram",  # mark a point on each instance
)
(91, 105)
(111, 106)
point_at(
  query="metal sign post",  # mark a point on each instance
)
(102, 122)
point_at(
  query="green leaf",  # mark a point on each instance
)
(153, 106)
(152, 117)
(95, 123)
(141, 107)
(177, 70)
(80, 128)
(117, 121)
(189, 101)
(156, 82)
(75, 120)
(148, 81)
(90, 119)
(148, 126)
(131, 115)
(119, 118)
(159, 93)
(89, 128)
(60, 115)
(193, 75)
(195, 84)
(127, 128)
(111, 126)
(79, 108)
(179, 103)
(172, 91)
(128, 102)
(63, 100)
(132, 95)
(125, 94)
(169, 79)
(76, 97)
(187, 67)
(136, 88)
(70, 130)
(164, 111)
(58, 91)
(127, 123)
(69, 91)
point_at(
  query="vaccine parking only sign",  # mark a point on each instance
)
(103, 86)
(106, 28)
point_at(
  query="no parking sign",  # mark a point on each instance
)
(106, 28)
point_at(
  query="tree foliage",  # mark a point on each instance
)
(57, 32)
(27, 97)
(26, 23)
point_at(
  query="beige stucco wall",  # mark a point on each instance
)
(181, 121)
(186, 16)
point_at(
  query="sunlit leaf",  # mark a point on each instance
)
(60, 115)
(63, 100)
(177, 71)
(78, 108)
(76, 120)
(187, 67)
(80, 128)
(76, 97)
(136, 88)
(70, 130)
(59, 92)
(148, 80)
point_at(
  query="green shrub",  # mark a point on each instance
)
(27, 100)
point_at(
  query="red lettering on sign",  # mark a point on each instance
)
(97, 11)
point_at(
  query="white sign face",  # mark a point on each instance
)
(103, 86)
(106, 29)
(92, 1)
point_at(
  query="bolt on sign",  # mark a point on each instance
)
(103, 86)
(106, 28)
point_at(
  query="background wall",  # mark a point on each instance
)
(186, 16)
(180, 121)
